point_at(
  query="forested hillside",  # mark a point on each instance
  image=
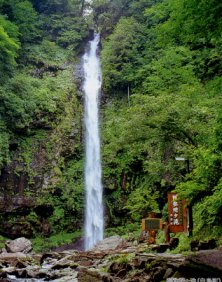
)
(161, 99)
(162, 83)
(41, 148)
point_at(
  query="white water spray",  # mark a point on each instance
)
(94, 205)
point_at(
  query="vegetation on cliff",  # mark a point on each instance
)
(41, 117)
(162, 67)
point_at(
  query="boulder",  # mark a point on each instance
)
(111, 243)
(87, 275)
(204, 264)
(211, 258)
(22, 245)
(12, 258)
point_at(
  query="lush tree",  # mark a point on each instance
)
(119, 54)
(24, 16)
(173, 66)
(58, 6)
(9, 46)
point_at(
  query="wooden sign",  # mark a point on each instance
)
(177, 213)
(151, 224)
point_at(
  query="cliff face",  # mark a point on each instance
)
(41, 167)
(36, 185)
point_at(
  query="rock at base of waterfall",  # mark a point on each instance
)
(22, 245)
(111, 243)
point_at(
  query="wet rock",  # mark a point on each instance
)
(86, 263)
(33, 272)
(139, 263)
(211, 258)
(22, 245)
(65, 263)
(158, 274)
(122, 273)
(117, 267)
(68, 278)
(48, 256)
(22, 273)
(3, 251)
(169, 273)
(3, 275)
(203, 264)
(85, 275)
(21, 264)
(13, 258)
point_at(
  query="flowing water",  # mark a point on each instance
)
(94, 205)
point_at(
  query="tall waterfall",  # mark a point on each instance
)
(93, 185)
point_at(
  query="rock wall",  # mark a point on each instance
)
(30, 182)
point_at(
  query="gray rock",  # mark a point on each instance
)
(22, 245)
(168, 273)
(69, 278)
(86, 275)
(111, 243)
(65, 263)
(209, 258)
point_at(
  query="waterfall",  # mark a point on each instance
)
(93, 184)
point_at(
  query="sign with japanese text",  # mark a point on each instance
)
(151, 224)
(177, 213)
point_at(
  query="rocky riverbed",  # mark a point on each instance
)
(112, 260)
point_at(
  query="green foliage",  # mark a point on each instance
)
(170, 58)
(27, 101)
(2, 241)
(25, 17)
(67, 31)
(124, 230)
(4, 144)
(57, 6)
(71, 32)
(40, 113)
(107, 13)
(141, 201)
(161, 63)
(119, 54)
(125, 258)
(9, 46)
(184, 244)
(42, 244)
(48, 53)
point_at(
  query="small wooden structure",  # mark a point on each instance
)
(178, 219)
(177, 214)
(152, 225)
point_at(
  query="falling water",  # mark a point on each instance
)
(93, 184)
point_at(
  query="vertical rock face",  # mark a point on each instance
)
(32, 181)
(17, 195)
